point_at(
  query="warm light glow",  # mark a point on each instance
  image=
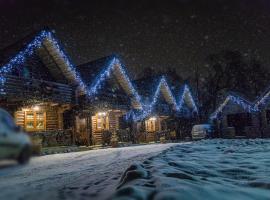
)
(101, 113)
(25, 109)
(153, 119)
(36, 108)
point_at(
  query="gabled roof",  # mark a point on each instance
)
(7, 53)
(154, 85)
(96, 72)
(163, 88)
(263, 100)
(89, 71)
(90, 76)
(187, 98)
(54, 56)
(245, 104)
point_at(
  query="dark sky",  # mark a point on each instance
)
(146, 33)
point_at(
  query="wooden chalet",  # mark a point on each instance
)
(102, 114)
(39, 89)
(87, 104)
(167, 118)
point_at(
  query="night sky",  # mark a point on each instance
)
(145, 33)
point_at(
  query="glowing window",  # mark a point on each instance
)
(35, 120)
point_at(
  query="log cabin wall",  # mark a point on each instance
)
(52, 119)
(31, 118)
(105, 121)
(21, 89)
(153, 126)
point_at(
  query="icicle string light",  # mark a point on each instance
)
(187, 91)
(247, 106)
(91, 91)
(105, 74)
(21, 56)
(69, 64)
(36, 43)
(263, 101)
(147, 111)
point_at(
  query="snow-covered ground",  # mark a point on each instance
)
(213, 169)
(81, 175)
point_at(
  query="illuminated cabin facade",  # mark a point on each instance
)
(87, 104)
(102, 114)
(38, 87)
(173, 109)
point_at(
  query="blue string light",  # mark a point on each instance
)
(105, 74)
(147, 111)
(36, 43)
(91, 91)
(21, 56)
(185, 92)
(261, 103)
(246, 105)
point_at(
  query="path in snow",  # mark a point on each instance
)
(210, 169)
(81, 175)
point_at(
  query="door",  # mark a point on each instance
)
(85, 130)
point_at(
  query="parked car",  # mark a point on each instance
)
(202, 131)
(14, 143)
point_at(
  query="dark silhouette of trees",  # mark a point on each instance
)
(231, 71)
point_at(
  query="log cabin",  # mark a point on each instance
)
(112, 95)
(38, 85)
(167, 117)
(47, 94)
(237, 117)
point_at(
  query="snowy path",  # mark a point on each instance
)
(81, 175)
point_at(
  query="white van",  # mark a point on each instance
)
(14, 143)
(202, 131)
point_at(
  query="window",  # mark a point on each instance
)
(35, 120)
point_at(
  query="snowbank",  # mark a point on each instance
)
(211, 169)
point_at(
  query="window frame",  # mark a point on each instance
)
(35, 121)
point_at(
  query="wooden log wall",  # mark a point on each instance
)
(54, 117)
(112, 124)
(19, 118)
(52, 121)
(21, 89)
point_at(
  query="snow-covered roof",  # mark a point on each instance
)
(263, 100)
(96, 72)
(238, 100)
(163, 88)
(54, 55)
(90, 76)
